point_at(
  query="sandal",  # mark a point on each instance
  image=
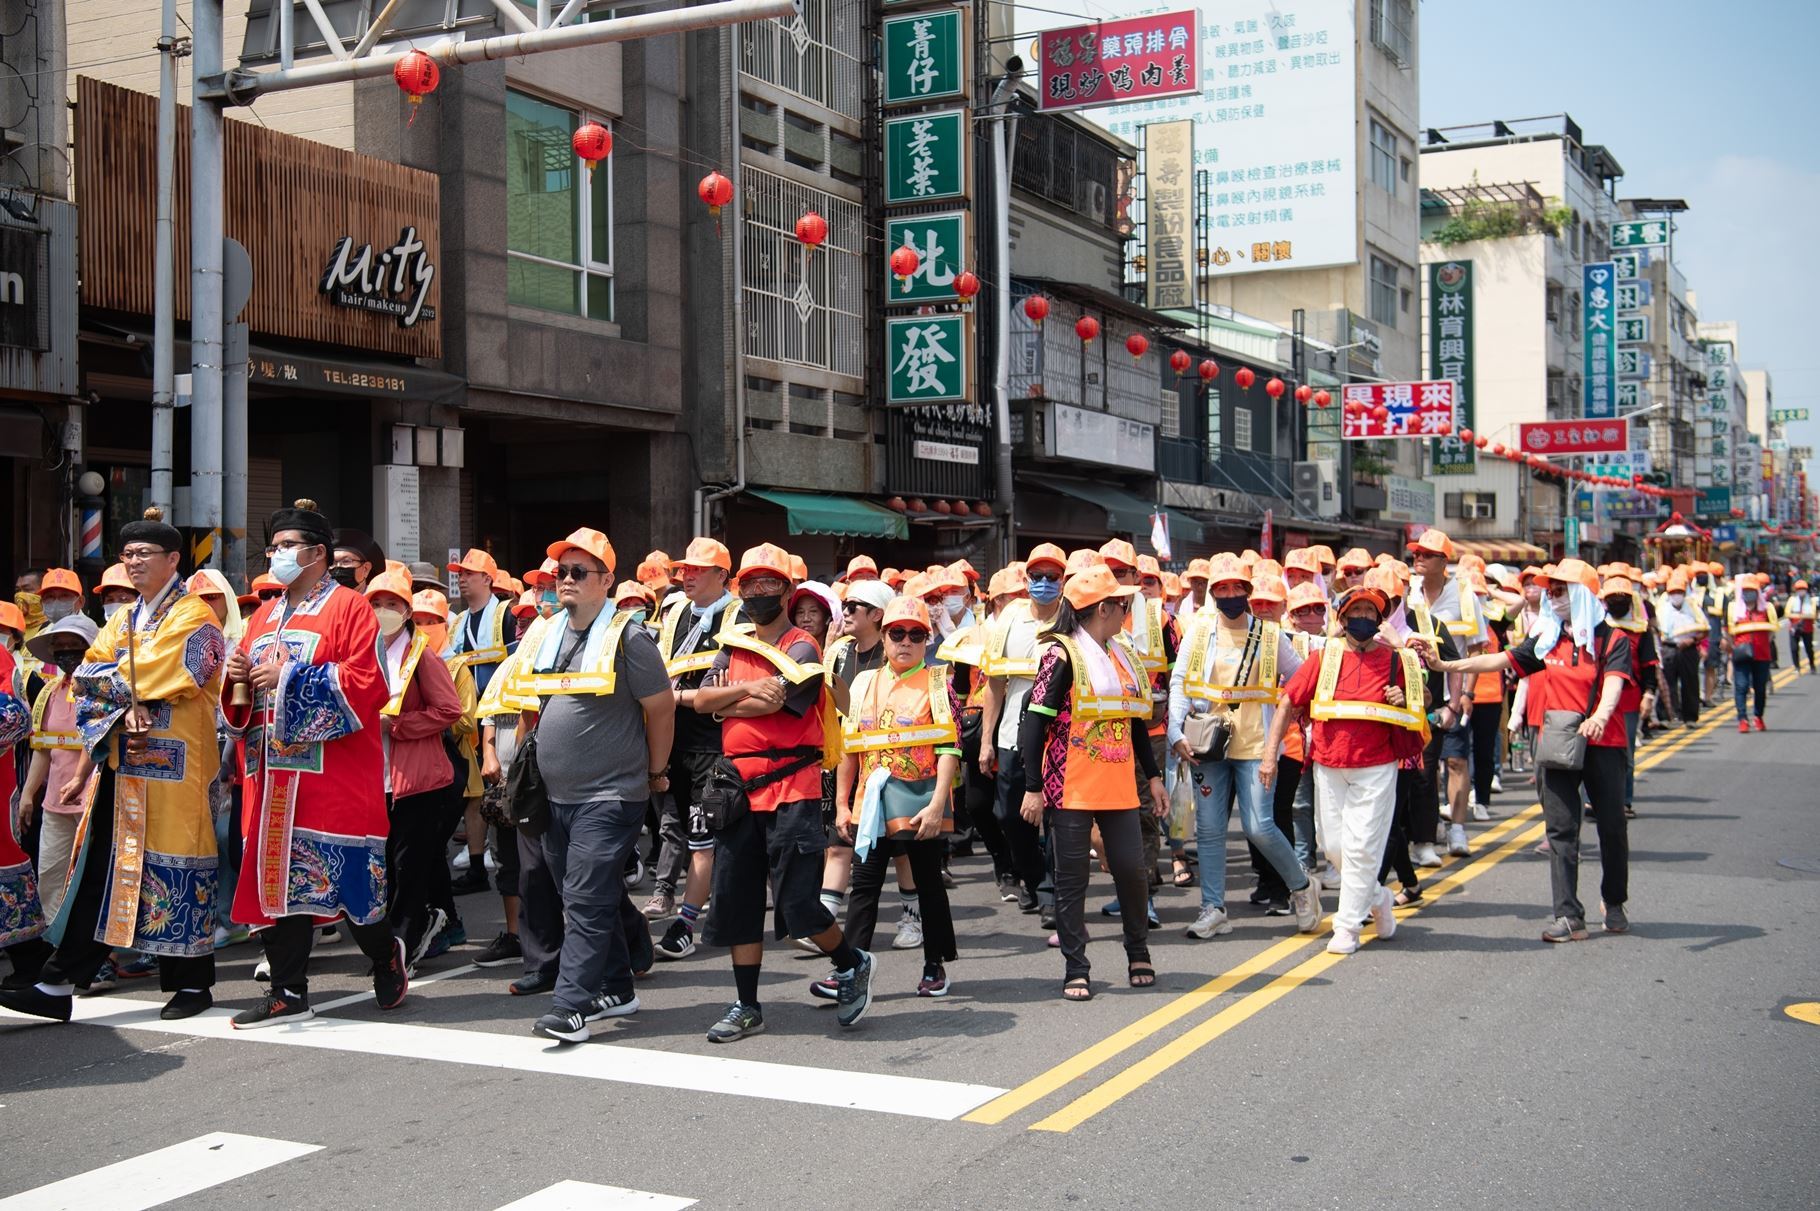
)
(1077, 989)
(1141, 975)
(1408, 896)
(1184, 872)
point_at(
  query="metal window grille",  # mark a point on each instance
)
(818, 55)
(803, 307)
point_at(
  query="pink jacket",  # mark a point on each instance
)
(419, 762)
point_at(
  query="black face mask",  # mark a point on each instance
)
(67, 661)
(1362, 629)
(1619, 608)
(1232, 607)
(345, 577)
(762, 610)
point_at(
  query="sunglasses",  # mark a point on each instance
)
(1557, 590)
(907, 635)
(574, 571)
(1044, 576)
(1309, 612)
(849, 607)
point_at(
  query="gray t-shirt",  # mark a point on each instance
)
(592, 746)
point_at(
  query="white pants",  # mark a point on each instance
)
(1355, 807)
(55, 843)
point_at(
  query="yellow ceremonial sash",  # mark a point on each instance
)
(1149, 642)
(492, 653)
(1264, 671)
(940, 730)
(1806, 612)
(697, 662)
(43, 739)
(1088, 703)
(963, 647)
(503, 695)
(406, 670)
(600, 679)
(998, 638)
(793, 672)
(1737, 627)
(1469, 613)
(1324, 707)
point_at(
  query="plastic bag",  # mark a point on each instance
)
(1181, 804)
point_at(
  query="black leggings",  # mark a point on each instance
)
(1071, 833)
(417, 852)
(932, 895)
(1565, 795)
(1396, 845)
(288, 941)
(1484, 722)
(1796, 641)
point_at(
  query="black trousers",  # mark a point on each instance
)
(1071, 832)
(1564, 795)
(1029, 861)
(1796, 641)
(539, 909)
(418, 857)
(1425, 794)
(1282, 807)
(288, 941)
(869, 882)
(79, 956)
(1681, 667)
(1483, 723)
(1396, 844)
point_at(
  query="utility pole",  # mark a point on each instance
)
(164, 307)
(1003, 139)
(207, 231)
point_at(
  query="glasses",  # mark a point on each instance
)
(288, 545)
(1046, 577)
(348, 561)
(1557, 590)
(907, 635)
(141, 554)
(1125, 575)
(760, 586)
(1309, 612)
(851, 607)
(574, 571)
(268, 594)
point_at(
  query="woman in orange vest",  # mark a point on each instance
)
(893, 790)
(1087, 716)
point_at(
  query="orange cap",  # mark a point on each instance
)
(942, 579)
(60, 578)
(859, 567)
(631, 590)
(1172, 585)
(543, 574)
(1088, 588)
(1007, 582)
(476, 560)
(967, 571)
(506, 582)
(706, 553)
(395, 584)
(1801, 584)
(1432, 542)
(766, 557)
(432, 603)
(1383, 581)
(1716, 568)
(1529, 573)
(526, 605)
(659, 559)
(1226, 567)
(115, 578)
(11, 618)
(1249, 557)
(1612, 586)
(799, 569)
(1324, 553)
(1305, 595)
(1198, 569)
(1118, 551)
(1083, 559)
(917, 585)
(893, 577)
(1266, 567)
(1575, 571)
(1269, 588)
(1302, 559)
(1358, 558)
(906, 609)
(200, 585)
(1148, 566)
(265, 582)
(590, 542)
(1046, 553)
(1364, 592)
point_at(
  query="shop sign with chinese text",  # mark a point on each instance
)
(1169, 214)
(940, 241)
(1450, 355)
(1115, 62)
(928, 356)
(1642, 233)
(926, 156)
(1599, 318)
(1412, 409)
(1575, 437)
(925, 57)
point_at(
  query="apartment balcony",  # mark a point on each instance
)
(1186, 460)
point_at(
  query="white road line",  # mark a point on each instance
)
(155, 1178)
(354, 998)
(586, 1196)
(916, 1097)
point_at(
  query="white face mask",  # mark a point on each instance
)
(112, 608)
(1563, 606)
(954, 603)
(58, 609)
(1676, 599)
(390, 621)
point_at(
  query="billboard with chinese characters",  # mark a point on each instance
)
(926, 156)
(1450, 356)
(1599, 317)
(1168, 214)
(1276, 126)
(924, 57)
(928, 357)
(1410, 410)
(1112, 62)
(1640, 233)
(1554, 437)
(940, 241)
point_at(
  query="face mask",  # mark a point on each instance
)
(390, 621)
(59, 609)
(1619, 608)
(954, 603)
(285, 568)
(437, 633)
(1676, 599)
(638, 617)
(1750, 597)
(1701, 579)
(1232, 607)
(345, 577)
(763, 611)
(1361, 629)
(67, 661)
(548, 597)
(1562, 606)
(112, 608)
(9, 641)
(27, 602)
(1043, 592)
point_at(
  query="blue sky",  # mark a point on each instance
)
(1711, 103)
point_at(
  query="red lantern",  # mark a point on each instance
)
(962, 509)
(1322, 399)
(1086, 328)
(1036, 307)
(1380, 413)
(1274, 388)
(1210, 370)
(1137, 344)
(416, 73)
(983, 509)
(966, 284)
(1481, 442)
(942, 506)
(897, 504)
(716, 191)
(1445, 427)
(1303, 394)
(592, 142)
(1466, 435)
(917, 505)
(1179, 361)
(811, 230)
(904, 263)
(1244, 378)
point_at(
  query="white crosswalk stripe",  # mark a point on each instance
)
(586, 1196)
(155, 1178)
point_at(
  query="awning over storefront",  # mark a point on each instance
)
(1507, 550)
(1125, 511)
(809, 513)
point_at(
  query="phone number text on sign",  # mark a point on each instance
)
(1370, 410)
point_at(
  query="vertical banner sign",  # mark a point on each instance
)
(924, 57)
(940, 241)
(926, 156)
(1267, 537)
(928, 356)
(1599, 320)
(1450, 357)
(1168, 177)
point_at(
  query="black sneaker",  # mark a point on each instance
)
(1027, 902)
(186, 1005)
(934, 982)
(563, 1025)
(500, 951)
(679, 941)
(1565, 929)
(470, 880)
(277, 1008)
(856, 989)
(1277, 908)
(1008, 891)
(738, 1022)
(431, 928)
(607, 1005)
(1047, 919)
(530, 986)
(947, 876)
(638, 947)
(1615, 920)
(39, 1004)
(825, 990)
(393, 979)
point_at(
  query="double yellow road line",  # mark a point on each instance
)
(1509, 836)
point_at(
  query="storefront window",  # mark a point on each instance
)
(559, 216)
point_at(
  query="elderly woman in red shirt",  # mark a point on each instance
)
(1581, 664)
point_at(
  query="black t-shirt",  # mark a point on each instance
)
(851, 662)
(695, 733)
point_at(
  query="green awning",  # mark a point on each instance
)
(811, 514)
(1125, 511)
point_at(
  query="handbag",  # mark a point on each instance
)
(726, 798)
(1208, 733)
(1559, 744)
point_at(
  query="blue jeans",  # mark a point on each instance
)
(586, 846)
(1226, 781)
(1631, 720)
(1749, 676)
(1303, 808)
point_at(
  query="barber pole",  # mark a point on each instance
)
(91, 532)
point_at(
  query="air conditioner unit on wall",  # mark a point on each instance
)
(1315, 483)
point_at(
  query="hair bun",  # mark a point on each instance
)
(306, 503)
(154, 513)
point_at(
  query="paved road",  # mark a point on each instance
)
(1461, 1064)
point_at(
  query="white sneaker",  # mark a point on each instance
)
(1344, 941)
(1384, 914)
(1480, 811)
(461, 860)
(1425, 855)
(909, 931)
(1456, 842)
(1307, 904)
(262, 972)
(491, 861)
(1330, 877)
(1212, 921)
(1497, 784)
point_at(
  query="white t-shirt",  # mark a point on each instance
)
(1020, 644)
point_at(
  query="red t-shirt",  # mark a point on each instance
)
(1568, 675)
(1754, 644)
(1353, 743)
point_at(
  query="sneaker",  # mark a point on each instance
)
(226, 936)
(825, 990)
(563, 1025)
(1615, 920)
(462, 861)
(659, 906)
(262, 971)
(1046, 919)
(490, 860)
(503, 949)
(431, 928)
(106, 978)
(856, 988)
(934, 982)
(39, 1004)
(1307, 904)
(1497, 784)
(1330, 877)
(1565, 930)
(186, 1004)
(138, 967)
(806, 946)
(532, 985)
(1008, 891)
(447, 938)
(393, 980)
(329, 936)
(1758, 723)
(1456, 841)
(1279, 908)
(909, 931)
(471, 880)
(1212, 921)
(738, 1022)
(1344, 941)
(1743, 726)
(1027, 901)
(1480, 812)
(635, 873)
(1384, 914)
(678, 941)
(1055, 941)
(947, 877)
(277, 1008)
(1110, 908)
(1425, 855)
(607, 1005)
